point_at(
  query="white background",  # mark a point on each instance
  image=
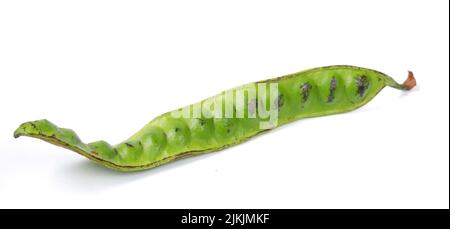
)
(106, 68)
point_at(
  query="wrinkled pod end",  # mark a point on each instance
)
(49, 132)
(100, 152)
(41, 127)
(18, 132)
(31, 128)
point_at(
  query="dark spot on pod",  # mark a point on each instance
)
(225, 127)
(279, 102)
(362, 84)
(305, 90)
(129, 153)
(153, 143)
(33, 125)
(201, 129)
(129, 145)
(177, 133)
(333, 85)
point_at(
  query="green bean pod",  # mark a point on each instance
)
(310, 93)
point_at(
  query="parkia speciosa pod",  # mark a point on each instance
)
(204, 127)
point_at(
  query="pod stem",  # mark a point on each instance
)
(408, 84)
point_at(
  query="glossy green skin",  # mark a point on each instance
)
(330, 90)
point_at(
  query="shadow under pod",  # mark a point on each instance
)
(87, 176)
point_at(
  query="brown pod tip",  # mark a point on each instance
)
(410, 82)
